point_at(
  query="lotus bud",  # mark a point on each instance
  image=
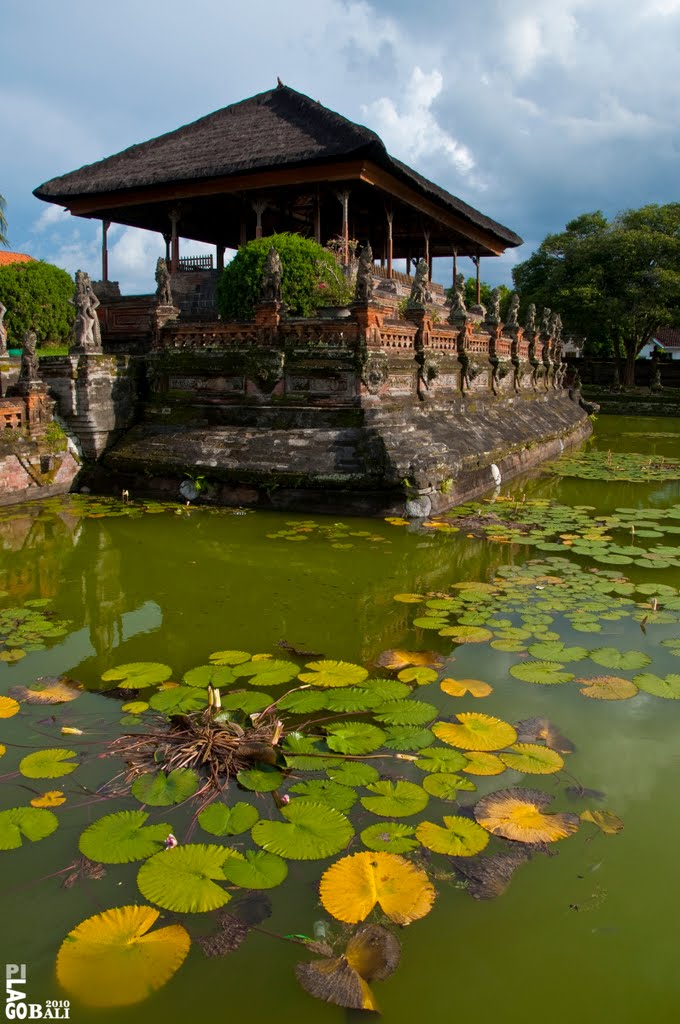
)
(217, 699)
(170, 842)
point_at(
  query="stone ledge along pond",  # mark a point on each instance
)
(465, 804)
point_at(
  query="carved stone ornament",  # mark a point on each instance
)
(419, 291)
(87, 331)
(29, 373)
(459, 314)
(493, 314)
(374, 372)
(363, 290)
(512, 320)
(268, 369)
(530, 326)
(270, 289)
(428, 368)
(545, 322)
(163, 290)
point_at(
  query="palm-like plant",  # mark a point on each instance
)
(3, 222)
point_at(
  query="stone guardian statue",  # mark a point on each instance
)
(419, 291)
(270, 289)
(3, 330)
(163, 290)
(363, 289)
(87, 331)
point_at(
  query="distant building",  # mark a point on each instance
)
(14, 257)
(666, 342)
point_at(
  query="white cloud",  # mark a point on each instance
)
(413, 132)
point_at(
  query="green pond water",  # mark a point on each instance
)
(587, 930)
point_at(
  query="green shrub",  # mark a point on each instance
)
(311, 277)
(38, 297)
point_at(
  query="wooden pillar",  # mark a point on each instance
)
(390, 217)
(166, 239)
(259, 205)
(243, 235)
(455, 268)
(174, 242)
(219, 260)
(106, 224)
(427, 255)
(345, 227)
(408, 262)
(479, 285)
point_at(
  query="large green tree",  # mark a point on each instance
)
(484, 294)
(38, 297)
(614, 282)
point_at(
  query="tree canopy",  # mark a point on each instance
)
(3, 222)
(614, 282)
(38, 297)
(310, 277)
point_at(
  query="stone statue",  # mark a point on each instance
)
(87, 330)
(270, 289)
(459, 313)
(3, 330)
(363, 290)
(512, 320)
(557, 328)
(419, 291)
(494, 311)
(545, 321)
(163, 291)
(29, 373)
(530, 325)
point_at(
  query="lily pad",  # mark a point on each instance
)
(178, 700)
(159, 789)
(303, 702)
(354, 737)
(420, 675)
(395, 799)
(137, 674)
(475, 731)
(52, 798)
(532, 759)
(21, 823)
(405, 712)
(209, 675)
(481, 762)
(543, 672)
(333, 673)
(407, 738)
(445, 785)
(467, 634)
(311, 831)
(353, 773)
(459, 837)
(113, 959)
(441, 759)
(185, 878)
(459, 687)
(229, 657)
(520, 814)
(257, 869)
(122, 837)
(608, 688)
(9, 707)
(263, 779)
(557, 651)
(351, 887)
(220, 820)
(391, 836)
(325, 791)
(48, 764)
(659, 686)
(612, 657)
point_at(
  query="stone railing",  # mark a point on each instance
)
(12, 413)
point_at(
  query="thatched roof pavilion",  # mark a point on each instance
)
(278, 161)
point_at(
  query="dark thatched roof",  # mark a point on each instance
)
(275, 129)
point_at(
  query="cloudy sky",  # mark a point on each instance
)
(531, 110)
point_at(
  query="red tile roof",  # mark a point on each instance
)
(14, 257)
(668, 336)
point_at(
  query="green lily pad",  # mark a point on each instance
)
(612, 657)
(441, 759)
(395, 799)
(325, 791)
(544, 672)
(246, 701)
(420, 675)
(407, 737)
(333, 673)
(185, 878)
(160, 790)
(123, 837)
(459, 837)
(353, 773)
(391, 836)
(467, 634)
(303, 754)
(48, 764)
(135, 707)
(405, 712)
(303, 702)
(352, 698)
(137, 674)
(263, 779)
(445, 785)
(208, 675)
(311, 831)
(354, 737)
(19, 823)
(178, 700)
(220, 820)
(557, 651)
(257, 869)
(229, 657)
(430, 622)
(659, 686)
